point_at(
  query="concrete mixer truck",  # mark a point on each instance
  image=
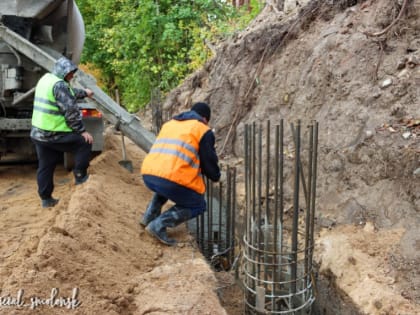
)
(33, 35)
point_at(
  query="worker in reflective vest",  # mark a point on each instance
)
(174, 168)
(57, 127)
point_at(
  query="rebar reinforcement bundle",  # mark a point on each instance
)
(278, 238)
(214, 230)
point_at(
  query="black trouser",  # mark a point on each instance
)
(51, 152)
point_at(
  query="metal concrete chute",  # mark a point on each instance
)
(128, 123)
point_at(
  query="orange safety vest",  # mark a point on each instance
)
(174, 155)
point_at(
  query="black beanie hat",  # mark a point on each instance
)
(202, 109)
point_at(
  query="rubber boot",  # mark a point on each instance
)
(153, 209)
(171, 218)
(80, 176)
(48, 203)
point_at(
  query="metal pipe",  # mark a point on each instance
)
(24, 96)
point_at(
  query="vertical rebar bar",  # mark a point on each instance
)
(247, 178)
(301, 172)
(308, 203)
(281, 167)
(254, 198)
(281, 231)
(275, 216)
(228, 208)
(210, 220)
(219, 244)
(313, 191)
(247, 173)
(259, 196)
(295, 210)
(203, 221)
(267, 204)
(233, 215)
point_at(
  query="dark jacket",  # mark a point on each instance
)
(66, 102)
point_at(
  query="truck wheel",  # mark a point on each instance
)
(68, 161)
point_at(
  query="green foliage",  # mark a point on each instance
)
(143, 44)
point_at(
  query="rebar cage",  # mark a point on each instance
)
(214, 230)
(279, 228)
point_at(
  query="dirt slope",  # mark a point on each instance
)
(320, 64)
(92, 241)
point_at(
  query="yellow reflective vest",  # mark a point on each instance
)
(174, 155)
(46, 114)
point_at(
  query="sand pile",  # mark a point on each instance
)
(91, 248)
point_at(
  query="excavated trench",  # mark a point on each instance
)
(324, 63)
(263, 276)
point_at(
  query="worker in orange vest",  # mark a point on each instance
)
(173, 169)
